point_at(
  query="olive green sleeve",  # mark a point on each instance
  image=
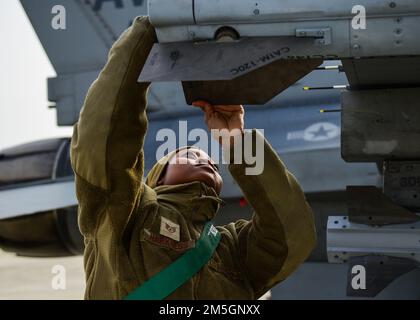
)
(281, 233)
(107, 143)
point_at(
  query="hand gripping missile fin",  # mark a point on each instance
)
(247, 71)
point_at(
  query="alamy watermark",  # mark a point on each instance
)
(359, 20)
(58, 281)
(59, 20)
(358, 280)
(238, 148)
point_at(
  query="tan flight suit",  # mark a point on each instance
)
(121, 216)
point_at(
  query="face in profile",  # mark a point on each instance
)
(190, 165)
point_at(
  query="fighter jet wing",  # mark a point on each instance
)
(35, 198)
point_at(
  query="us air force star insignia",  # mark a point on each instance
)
(321, 131)
(213, 231)
(169, 229)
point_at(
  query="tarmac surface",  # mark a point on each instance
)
(24, 278)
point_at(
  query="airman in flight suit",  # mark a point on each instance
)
(135, 227)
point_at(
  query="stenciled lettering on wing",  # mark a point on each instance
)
(271, 56)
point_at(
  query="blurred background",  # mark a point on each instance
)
(24, 117)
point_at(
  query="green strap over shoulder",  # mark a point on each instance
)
(180, 271)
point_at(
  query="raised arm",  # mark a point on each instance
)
(281, 233)
(107, 144)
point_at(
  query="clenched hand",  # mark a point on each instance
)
(229, 118)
